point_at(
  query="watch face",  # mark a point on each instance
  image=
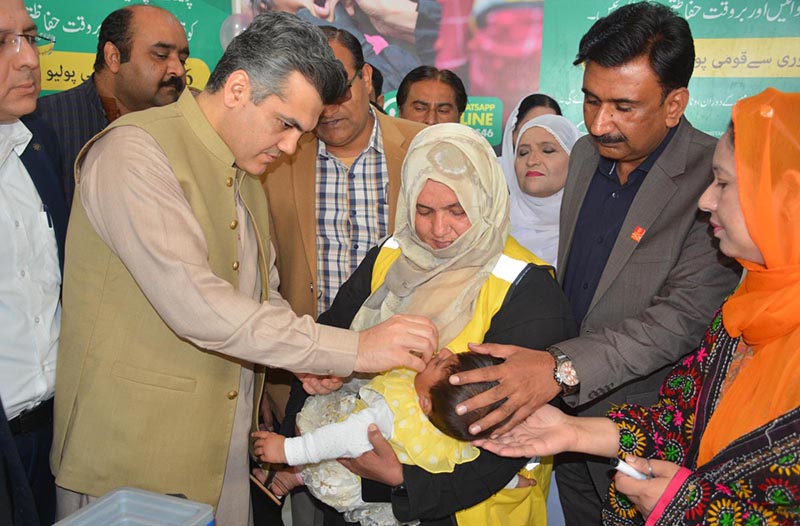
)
(567, 374)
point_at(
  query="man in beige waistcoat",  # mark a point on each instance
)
(169, 298)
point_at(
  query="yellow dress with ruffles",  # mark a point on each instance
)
(414, 439)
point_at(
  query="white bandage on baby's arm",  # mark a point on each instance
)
(347, 438)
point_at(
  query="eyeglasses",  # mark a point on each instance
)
(43, 44)
(347, 94)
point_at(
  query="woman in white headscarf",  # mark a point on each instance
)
(536, 175)
(452, 260)
(529, 107)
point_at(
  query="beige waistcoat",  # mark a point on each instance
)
(136, 405)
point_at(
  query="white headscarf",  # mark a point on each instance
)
(444, 284)
(534, 220)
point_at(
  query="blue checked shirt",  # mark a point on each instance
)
(352, 213)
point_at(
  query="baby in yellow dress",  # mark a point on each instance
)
(415, 412)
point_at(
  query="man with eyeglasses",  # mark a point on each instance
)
(33, 218)
(339, 188)
(140, 63)
(335, 198)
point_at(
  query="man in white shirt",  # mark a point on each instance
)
(33, 220)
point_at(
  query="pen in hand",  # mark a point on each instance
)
(623, 467)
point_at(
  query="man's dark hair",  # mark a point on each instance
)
(348, 40)
(445, 397)
(115, 29)
(643, 29)
(433, 73)
(274, 46)
(535, 100)
(377, 81)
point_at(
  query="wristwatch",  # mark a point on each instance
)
(564, 374)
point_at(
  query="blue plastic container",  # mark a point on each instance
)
(136, 507)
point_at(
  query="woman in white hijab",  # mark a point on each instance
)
(529, 107)
(452, 260)
(536, 174)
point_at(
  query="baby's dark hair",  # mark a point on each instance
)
(445, 397)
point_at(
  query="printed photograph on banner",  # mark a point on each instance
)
(493, 46)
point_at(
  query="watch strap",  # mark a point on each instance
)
(561, 358)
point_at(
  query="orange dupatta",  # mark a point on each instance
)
(765, 309)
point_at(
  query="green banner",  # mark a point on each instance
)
(484, 114)
(76, 25)
(741, 46)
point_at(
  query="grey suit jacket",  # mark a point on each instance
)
(655, 296)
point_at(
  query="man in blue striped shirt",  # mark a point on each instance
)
(334, 198)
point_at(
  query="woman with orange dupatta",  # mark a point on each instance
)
(722, 446)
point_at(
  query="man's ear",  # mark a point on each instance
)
(676, 102)
(425, 404)
(236, 89)
(366, 74)
(111, 56)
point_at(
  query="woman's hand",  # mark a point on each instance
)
(549, 431)
(545, 432)
(645, 494)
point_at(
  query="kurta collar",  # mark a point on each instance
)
(203, 130)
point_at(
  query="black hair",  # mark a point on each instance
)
(535, 100)
(445, 397)
(642, 29)
(115, 29)
(432, 73)
(349, 41)
(377, 81)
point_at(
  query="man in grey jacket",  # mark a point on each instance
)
(640, 267)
